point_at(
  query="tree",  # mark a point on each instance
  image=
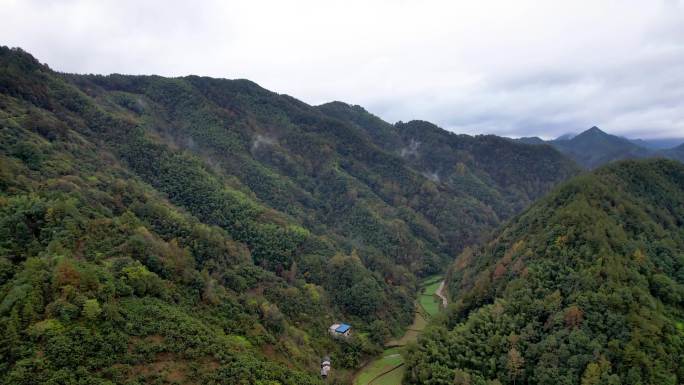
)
(573, 316)
(378, 331)
(514, 363)
(461, 377)
(11, 339)
(599, 373)
(91, 309)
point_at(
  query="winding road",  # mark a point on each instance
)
(440, 294)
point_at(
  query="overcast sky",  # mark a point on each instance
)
(514, 68)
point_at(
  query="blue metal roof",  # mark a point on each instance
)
(342, 328)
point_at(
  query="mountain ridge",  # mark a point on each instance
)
(137, 206)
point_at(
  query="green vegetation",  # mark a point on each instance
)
(488, 178)
(412, 332)
(428, 301)
(392, 378)
(389, 368)
(585, 287)
(208, 231)
(390, 359)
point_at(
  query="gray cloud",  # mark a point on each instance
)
(510, 68)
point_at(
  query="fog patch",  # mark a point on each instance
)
(140, 105)
(213, 164)
(411, 149)
(262, 140)
(189, 143)
(432, 176)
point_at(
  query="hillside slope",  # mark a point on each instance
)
(587, 286)
(204, 230)
(104, 280)
(484, 170)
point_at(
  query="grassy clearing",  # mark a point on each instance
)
(430, 304)
(431, 287)
(392, 378)
(428, 300)
(431, 280)
(390, 359)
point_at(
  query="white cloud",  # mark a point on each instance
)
(508, 67)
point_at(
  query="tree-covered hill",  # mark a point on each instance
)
(593, 148)
(197, 230)
(500, 174)
(585, 287)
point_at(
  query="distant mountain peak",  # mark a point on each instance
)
(594, 130)
(595, 147)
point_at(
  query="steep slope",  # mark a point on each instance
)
(504, 175)
(587, 286)
(593, 148)
(488, 172)
(201, 230)
(321, 171)
(118, 247)
(104, 280)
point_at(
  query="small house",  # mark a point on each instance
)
(325, 367)
(340, 330)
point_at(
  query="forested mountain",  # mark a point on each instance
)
(585, 287)
(503, 175)
(593, 147)
(197, 230)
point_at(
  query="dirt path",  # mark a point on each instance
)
(440, 294)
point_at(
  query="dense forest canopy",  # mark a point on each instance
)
(585, 287)
(197, 230)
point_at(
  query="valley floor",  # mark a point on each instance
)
(388, 368)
